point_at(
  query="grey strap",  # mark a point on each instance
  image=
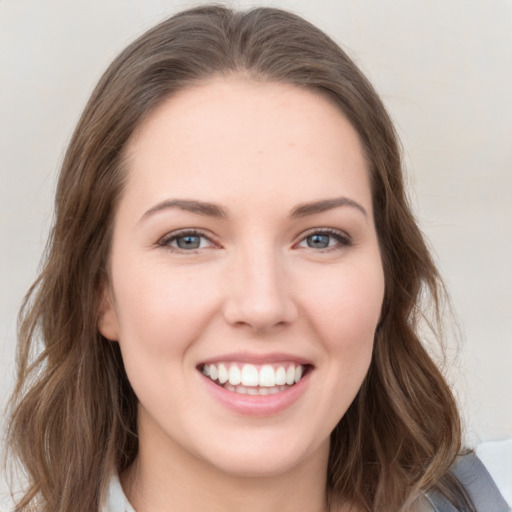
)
(479, 485)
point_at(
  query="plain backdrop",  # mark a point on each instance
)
(442, 67)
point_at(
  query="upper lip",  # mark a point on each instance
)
(257, 359)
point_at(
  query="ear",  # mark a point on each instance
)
(108, 324)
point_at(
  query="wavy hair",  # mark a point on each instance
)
(73, 413)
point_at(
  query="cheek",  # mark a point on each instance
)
(344, 310)
(161, 317)
(345, 306)
(162, 312)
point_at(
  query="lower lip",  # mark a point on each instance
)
(257, 405)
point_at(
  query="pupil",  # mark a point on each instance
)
(189, 242)
(318, 241)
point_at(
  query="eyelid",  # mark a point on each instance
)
(343, 238)
(165, 240)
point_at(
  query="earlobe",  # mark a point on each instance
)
(107, 317)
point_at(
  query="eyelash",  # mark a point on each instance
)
(342, 239)
(171, 237)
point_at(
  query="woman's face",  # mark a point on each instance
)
(245, 277)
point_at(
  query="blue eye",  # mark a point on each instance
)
(186, 241)
(318, 241)
(325, 239)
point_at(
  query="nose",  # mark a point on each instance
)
(259, 295)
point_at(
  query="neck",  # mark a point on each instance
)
(165, 480)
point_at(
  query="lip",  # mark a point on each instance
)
(257, 359)
(259, 405)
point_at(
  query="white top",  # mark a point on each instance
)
(468, 469)
(116, 501)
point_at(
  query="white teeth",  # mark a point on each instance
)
(223, 374)
(254, 380)
(250, 375)
(281, 376)
(290, 375)
(267, 376)
(235, 377)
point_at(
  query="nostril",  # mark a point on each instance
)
(259, 316)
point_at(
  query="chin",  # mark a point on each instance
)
(267, 458)
(258, 466)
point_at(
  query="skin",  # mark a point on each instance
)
(255, 286)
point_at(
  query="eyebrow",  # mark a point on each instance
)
(213, 210)
(199, 207)
(314, 207)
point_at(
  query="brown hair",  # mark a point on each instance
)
(73, 410)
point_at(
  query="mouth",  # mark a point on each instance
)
(252, 379)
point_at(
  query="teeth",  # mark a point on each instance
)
(281, 376)
(253, 380)
(243, 390)
(235, 377)
(290, 375)
(223, 374)
(298, 373)
(267, 377)
(250, 375)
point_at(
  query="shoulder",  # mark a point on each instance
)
(479, 485)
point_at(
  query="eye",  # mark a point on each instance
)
(186, 241)
(325, 239)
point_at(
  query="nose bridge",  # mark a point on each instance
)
(259, 289)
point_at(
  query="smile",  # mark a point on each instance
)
(250, 379)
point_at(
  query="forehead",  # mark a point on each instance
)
(228, 136)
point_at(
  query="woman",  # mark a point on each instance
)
(230, 304)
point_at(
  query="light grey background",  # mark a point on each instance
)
(443, 68)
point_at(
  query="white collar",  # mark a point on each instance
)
(115, 500)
